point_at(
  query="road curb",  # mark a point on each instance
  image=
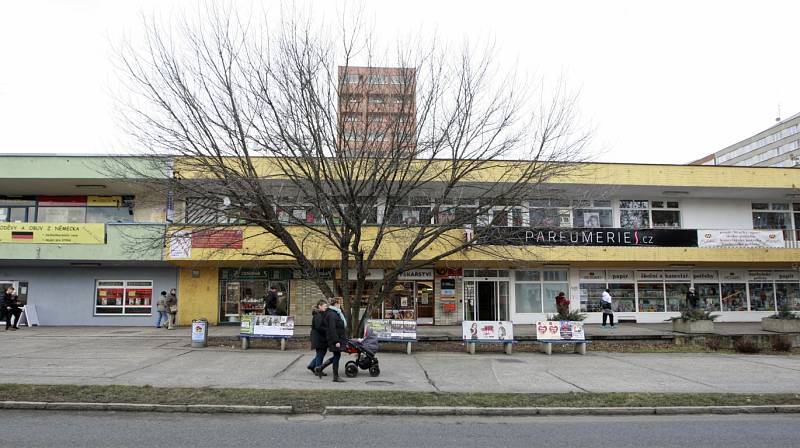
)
(404, 410)
(146, 407)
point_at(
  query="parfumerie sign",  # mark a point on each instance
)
(524, 236)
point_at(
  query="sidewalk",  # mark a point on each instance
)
(149, 356)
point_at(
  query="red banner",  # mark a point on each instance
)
(217, 239)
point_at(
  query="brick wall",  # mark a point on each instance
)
(304, 294)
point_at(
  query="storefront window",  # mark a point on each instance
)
(734, 297)
(593, 218)
(528, 297)
(245, 292)
(651, 297)
(123, 297)
(762, 296)
(788, 294)
(709, 295)
(61, 214)
(550, 291)
(550, 213)
(591, 293)
(400, 302)
(676, 296)
(624, 295)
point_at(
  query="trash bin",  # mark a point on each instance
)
(200, 332)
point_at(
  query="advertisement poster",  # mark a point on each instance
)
(393, 330)
(448, 289)
(40, 233)
(180, 245)
(269, 326)
(487, 330)
(564, 330)
(198, 329)
(740, 238)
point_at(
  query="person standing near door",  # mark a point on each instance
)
(605, 303)
(172, 309)
(272, 301)
(10, 308)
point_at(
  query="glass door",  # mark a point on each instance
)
(230, 303)
(424, 299)
(502, 301)
(469, 300)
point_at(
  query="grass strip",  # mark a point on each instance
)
(316, 400)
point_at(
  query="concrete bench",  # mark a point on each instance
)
(507, 345)
(245, 338)
(547, 345)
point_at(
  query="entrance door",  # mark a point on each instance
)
(424, 299)
(487, 301)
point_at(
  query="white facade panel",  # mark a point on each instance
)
(716, 213)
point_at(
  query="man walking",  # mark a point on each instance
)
(608, 312)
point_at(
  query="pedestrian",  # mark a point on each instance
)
(336, 303)
(172, 309)
(10, 308)
(562, 304)
(319, 340)
(161, 308)
(336, 338)
(271, 302)
(692, 300)
(608, 312)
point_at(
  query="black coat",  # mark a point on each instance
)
(692, 299)
(9, 300)
(334, 330)
(318, 337)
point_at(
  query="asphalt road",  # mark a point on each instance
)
(122, 429)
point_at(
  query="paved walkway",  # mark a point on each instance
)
(136, 356)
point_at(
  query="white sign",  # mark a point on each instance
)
(198, 330)
(598, 275)
(705, 276)
(180, 245)
(759, 275)
(740, 238)
(487, 330)
(787, 275)
(731, 275)
(416, 274)
(372, 274)
(620, 276)
(653, 276)
(677, 276)
(563, 330)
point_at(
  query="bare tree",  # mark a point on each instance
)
(251, 124)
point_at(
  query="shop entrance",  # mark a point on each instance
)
(490, 300)
(487, 301)
(244, 292)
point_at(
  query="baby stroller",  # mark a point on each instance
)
(365, 350)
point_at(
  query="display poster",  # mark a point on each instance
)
(40, 233)
(740, 238)
(448, 289)
(180, 244)
(391, 330)
(269, 326)
(198, 330)
(487, 330)
(564, 330)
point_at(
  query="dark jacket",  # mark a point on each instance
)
(334, 330)
(692, 299)
(272, 300)
(318, 337)
(172, 299)
(9, 301)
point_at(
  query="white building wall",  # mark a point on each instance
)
(716, 213)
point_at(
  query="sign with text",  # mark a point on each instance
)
(487, 330)
(393, 330)
(740, 238)
(270, 326)
(525, 236)
(180, 244)
(41, 233)
(563, 330)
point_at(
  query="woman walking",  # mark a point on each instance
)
(319, 340)
(336, 338)
(10, 308)
(161, 307)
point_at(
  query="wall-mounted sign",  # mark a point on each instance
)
(255, 274)
(416, 274)
(449, 272)
(41, 233)
(677, 276)
(524, 236)
(650, 276)
(740, 238)
(180, 244)
(732, 275)
(786, 275)
(759, 275)
(447, 289)
(705, 276)
(595, 275)
(620, 276)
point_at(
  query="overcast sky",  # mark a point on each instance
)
(664, 82)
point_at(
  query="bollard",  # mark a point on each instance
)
(199, 332)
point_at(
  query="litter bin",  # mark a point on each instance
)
(200, 332)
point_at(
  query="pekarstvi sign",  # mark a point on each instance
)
(416, 274)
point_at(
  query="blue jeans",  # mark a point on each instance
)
(162, 315)
(317, 361)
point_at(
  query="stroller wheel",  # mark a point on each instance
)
(351, 369)
(374, 370)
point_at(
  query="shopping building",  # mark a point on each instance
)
(76, 239)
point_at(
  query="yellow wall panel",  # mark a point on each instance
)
(198, 297)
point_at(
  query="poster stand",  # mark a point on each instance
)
(29, 316)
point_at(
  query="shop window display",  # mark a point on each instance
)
(624, 295)
(400, 302)
(762, 296)
(676, 296)
(590, 297)
(788, 294)
(123, 297)
(709, 295)
(651, 297)
(734, 297)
